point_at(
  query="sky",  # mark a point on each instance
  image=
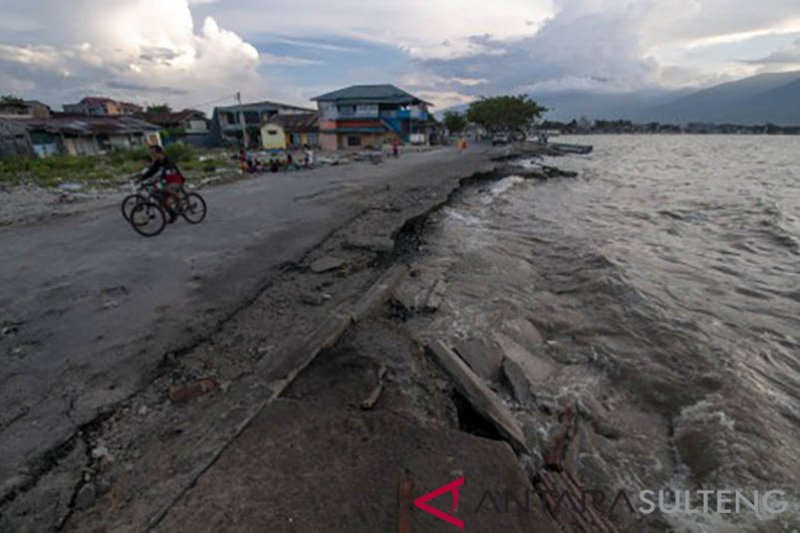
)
(199, 53)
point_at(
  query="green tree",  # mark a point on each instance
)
(11, 100)
(505, 112)
(454, 121)
(159, 108)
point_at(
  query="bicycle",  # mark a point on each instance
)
(145, 209)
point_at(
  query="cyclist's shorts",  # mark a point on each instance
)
(173, 178)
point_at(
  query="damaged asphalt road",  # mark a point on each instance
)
(99, 324)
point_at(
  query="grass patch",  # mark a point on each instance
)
(106, 170)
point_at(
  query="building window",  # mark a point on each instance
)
(104, 142)
(230, 118)
(353, 140)
(252, 117)
(347, 110)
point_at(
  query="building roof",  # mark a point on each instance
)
(9, 127)
(260, 106)
(175, 117)
(296, 122)
(85, 125)
(385, 93)
(96, 100)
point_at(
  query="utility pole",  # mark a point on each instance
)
(241, 121)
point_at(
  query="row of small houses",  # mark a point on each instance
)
(356, 117)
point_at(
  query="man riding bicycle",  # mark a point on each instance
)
(170, 178)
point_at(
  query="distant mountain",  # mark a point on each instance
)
(631, 106)
(757, 100)
(773, 98)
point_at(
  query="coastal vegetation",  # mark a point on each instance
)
(454, 121)
(113, 167)
(504, 113)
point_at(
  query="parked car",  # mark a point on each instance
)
(500, 138)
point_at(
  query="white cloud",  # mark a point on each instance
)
(165, 48)
(615, 46)
(412, 24)
(287, 61)
(129, 47)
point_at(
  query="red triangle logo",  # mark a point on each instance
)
(422, 502)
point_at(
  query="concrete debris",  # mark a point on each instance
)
(372, 399)
(189, 391)
(523, 332)
(436, 295)
(408, 295)
(520, 385)
(86, 496)
(314, 298)
(102, 456)
(327, 264)
(481, 397)
(379, 292)
(143, 410)
(536, 365)
(484, 357)
(373, 243)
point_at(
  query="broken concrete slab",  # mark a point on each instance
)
(523, 332)
(408, 295)
(436, 295)
(520, 384)
(379, 292)
(536, 365)
(483, 355)
(483, 399)
(264, 482)
(326, 264)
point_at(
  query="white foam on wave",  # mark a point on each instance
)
(505, 184)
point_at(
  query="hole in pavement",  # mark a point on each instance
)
(470, 421)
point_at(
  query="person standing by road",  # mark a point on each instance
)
(462, 144)
(308, 156)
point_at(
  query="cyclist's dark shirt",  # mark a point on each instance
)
(164, 165)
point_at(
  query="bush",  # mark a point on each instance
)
(120, 156)
(180, 152)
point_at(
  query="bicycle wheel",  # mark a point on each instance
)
(148, 219)
(131, 201)
(194, 208)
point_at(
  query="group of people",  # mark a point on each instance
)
(252, 163)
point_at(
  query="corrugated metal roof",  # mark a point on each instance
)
(360, 129)
(296, 122)
(11, 127)
(258, 106)
(85, 125)
(385, 93)
(172, 117)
